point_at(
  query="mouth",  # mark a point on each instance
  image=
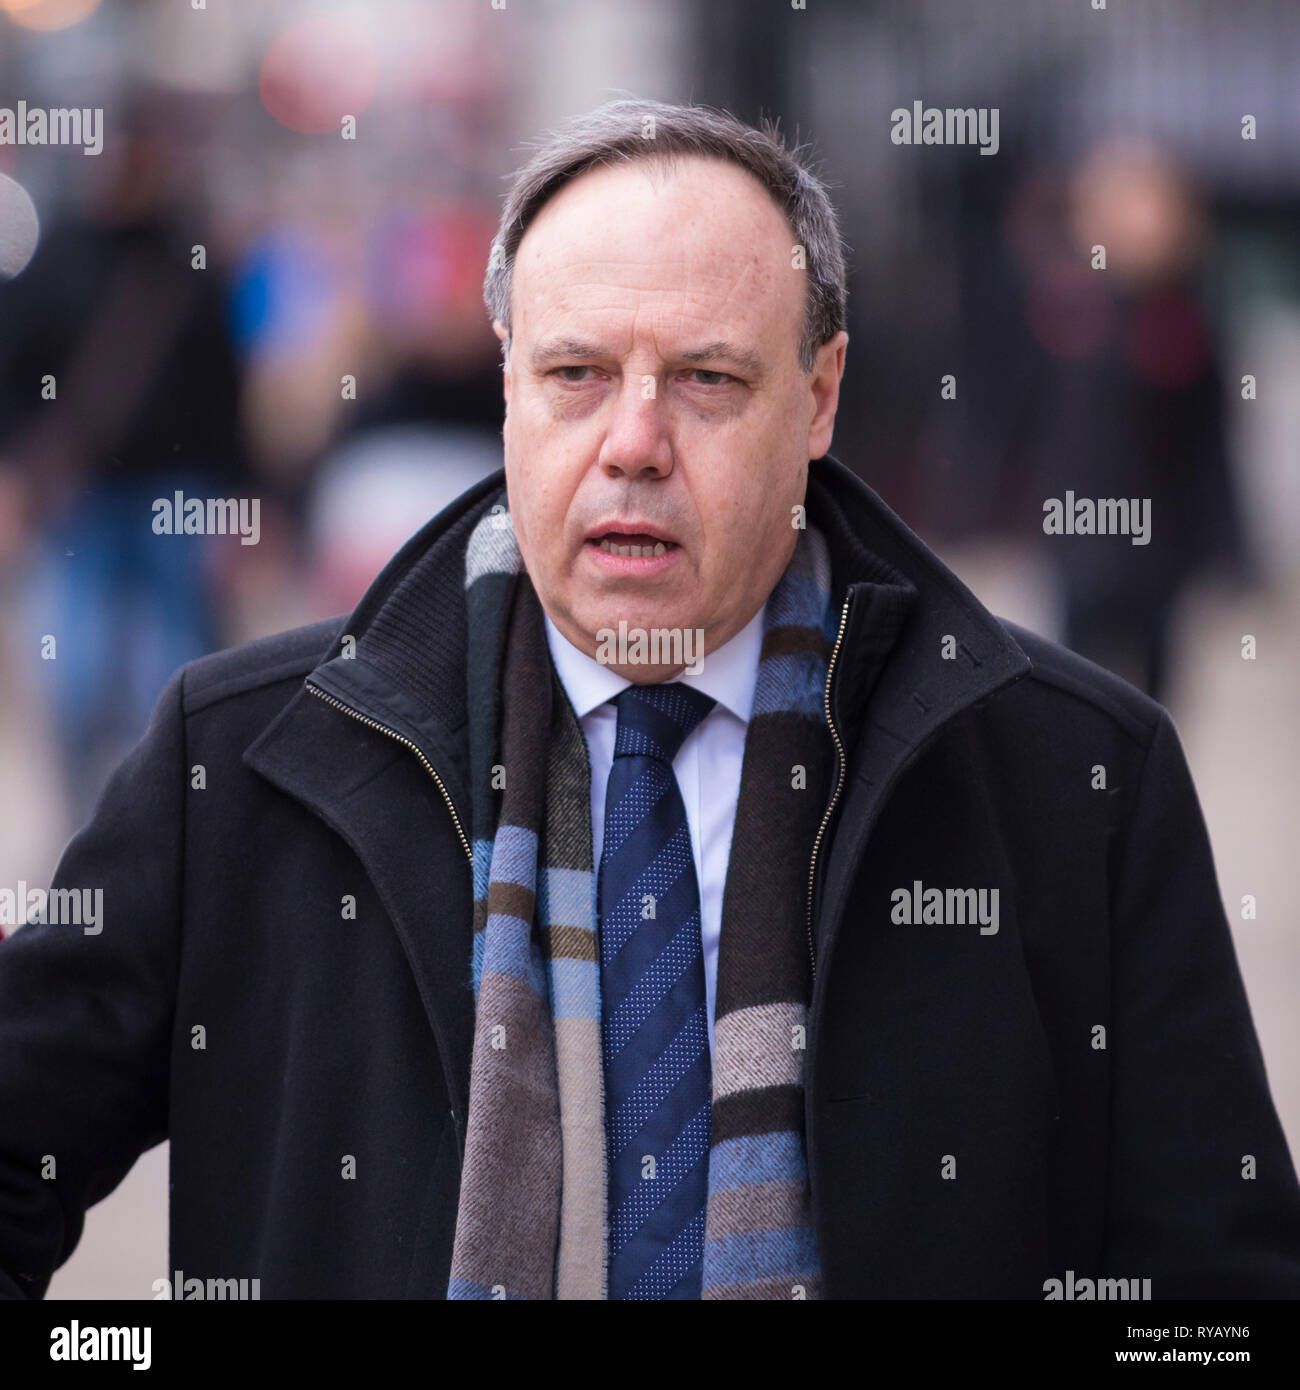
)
(631, 547)
(636, 544)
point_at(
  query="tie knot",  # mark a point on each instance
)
(654, 720)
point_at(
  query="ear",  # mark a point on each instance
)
(824, 393)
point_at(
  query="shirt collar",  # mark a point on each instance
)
(728, 675)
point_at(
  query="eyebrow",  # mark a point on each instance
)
(564, 349)
(722, 351)
(551, 350)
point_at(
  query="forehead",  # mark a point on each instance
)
(688, 243)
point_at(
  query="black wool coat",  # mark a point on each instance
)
(281, 983)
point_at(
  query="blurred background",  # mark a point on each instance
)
(201, 288)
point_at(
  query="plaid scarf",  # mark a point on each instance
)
(532, 1221)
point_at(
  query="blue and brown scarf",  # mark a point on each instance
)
(531, 1222)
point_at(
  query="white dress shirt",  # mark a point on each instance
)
(707, 765)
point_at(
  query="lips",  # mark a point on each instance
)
(633, 539)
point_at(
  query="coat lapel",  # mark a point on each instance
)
(373, 792)
(398, 665)
(920, 648)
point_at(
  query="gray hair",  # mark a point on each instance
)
(628, 130)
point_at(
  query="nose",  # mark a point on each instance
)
(637, 443)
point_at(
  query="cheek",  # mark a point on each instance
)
(729, 520)
(745, 498)
(538, 505)
(542, 454)
(748, 521)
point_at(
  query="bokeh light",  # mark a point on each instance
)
(45, 16)
(20, 228)
(317, 72)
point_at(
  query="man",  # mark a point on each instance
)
(491, 943)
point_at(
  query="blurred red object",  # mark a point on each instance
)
(316, 73)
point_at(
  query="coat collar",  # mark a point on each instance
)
(405, 665)
(397, 665)
(918, 648)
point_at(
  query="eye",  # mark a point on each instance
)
(703, 377)
(572, 373)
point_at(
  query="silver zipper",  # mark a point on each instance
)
(406, 742)
(839, 782)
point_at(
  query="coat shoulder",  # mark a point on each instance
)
(1064, 675)
(255, 665)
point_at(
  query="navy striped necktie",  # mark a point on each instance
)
(654, 1027)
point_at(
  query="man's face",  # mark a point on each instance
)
(655, 402)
